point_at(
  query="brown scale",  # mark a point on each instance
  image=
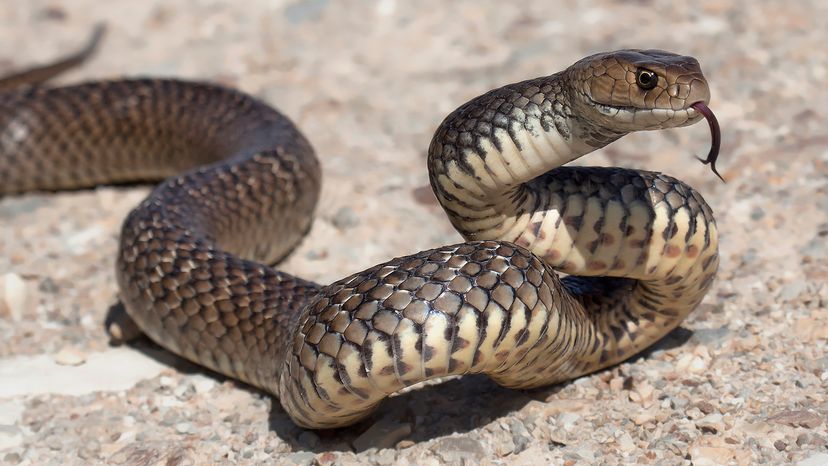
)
(241, 184)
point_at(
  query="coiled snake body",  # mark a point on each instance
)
(640, 248)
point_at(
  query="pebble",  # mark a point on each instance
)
(14, 297)
(70, 356)
(184, 428)
(457, 449)
(345, 218)
(643, 418)
(710, 456)
(302, 457)
(815, 249)
(691, 363)
(705, 406)
(520, 436)
(712, 423)
(405, 444)
(792, 290)
(807, 438)
(625, 442)
(568, 420)
(202, 383)
(184, 391)
(165, 381)
(798, 418)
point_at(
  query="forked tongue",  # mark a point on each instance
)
(702, 108)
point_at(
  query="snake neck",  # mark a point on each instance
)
(486, 157)
(495, 165)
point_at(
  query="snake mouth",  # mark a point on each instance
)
(666, 113)
(715, 134)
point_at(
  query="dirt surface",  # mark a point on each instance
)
(743, 381)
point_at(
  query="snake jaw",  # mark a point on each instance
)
(715, 133)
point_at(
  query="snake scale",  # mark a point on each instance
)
(240, 185)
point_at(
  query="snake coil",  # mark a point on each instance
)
(241, 183)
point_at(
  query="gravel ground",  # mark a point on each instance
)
(743, 381)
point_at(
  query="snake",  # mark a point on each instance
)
(564, 269)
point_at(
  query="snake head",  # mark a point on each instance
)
(634, 90)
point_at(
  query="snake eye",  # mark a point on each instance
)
(646, 79)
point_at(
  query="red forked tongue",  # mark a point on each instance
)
(702, 108)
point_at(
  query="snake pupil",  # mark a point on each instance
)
(646, 79)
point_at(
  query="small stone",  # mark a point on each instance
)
(14, 297)
(683, 362)
(798, 418)
(405, 444)
(709, 456)
(711, 424)
(817, 459)
(816, 248)
(792, 290)
(780, 445)
(70, 356)
(385, 433)
(455, 450)
(697, 365)
(705, 406)
(625, 442)
(757, 213)
(807, 438)
(120, 326)
(345, 218)
(326, 458)
(47, 285)
(11, 458)
(166, 381)
(302, 457)
(202, 383)
(643, 394)
(503, 446)
(184, 428)
(520, 436)
(185, 391)
(568, 420)
(643, 418)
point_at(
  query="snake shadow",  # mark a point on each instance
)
(429, 411)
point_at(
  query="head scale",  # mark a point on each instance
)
(632, 90)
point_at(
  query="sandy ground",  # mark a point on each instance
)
(743, 381)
